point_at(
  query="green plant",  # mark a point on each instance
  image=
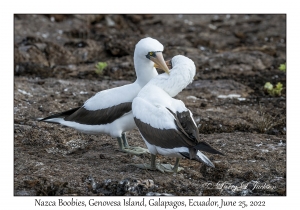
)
(282, 67)
(273, 91)
(100, 66)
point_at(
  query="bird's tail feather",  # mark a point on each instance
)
(54, 118)
(205, 147)
(201, 157)
(198, 156)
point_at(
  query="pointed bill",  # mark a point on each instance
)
(160, 62)
(168, 63)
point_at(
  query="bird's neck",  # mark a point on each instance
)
(145, 71)
(174, 83)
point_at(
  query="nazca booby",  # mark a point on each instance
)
(109, 111)
(165, 124)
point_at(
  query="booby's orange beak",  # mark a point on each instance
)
(159, 62)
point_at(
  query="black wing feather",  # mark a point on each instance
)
(61, 115)
(186, 125)
(93, 117)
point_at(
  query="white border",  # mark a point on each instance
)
(8, 8)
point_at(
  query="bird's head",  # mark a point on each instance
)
(184, 66)
(149, 49)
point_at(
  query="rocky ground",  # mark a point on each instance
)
(235, 55)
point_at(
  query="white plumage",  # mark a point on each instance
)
(114, 96)
(165, 124)
(109, 111)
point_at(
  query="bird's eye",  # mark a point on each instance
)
(151, 54)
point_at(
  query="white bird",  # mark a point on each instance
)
(166, 125)
(109, 111)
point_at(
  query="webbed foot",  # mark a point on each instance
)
(124, 147)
